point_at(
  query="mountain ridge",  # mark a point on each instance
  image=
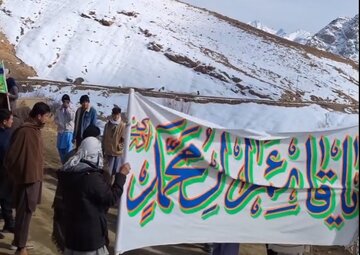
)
(332, 38)
(340, 36)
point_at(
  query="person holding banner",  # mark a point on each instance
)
(90, 131)
(87, 194)
(113, 141)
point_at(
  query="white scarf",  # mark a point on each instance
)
(89, 150)
(115, 122)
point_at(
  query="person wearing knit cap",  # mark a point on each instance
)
(87, 195)
(64, 119)
(84, 117)
(113, 141)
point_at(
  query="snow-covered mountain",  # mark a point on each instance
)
(299, 36)
(340, 37)
(171, 46)
(261, 26)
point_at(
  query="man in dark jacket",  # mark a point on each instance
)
(6, 122)
(25, 163)
(86, 196)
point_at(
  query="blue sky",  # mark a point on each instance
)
(309, 15)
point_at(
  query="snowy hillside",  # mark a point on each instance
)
(171, 46)
(340, 37)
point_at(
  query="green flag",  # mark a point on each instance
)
(3, 86)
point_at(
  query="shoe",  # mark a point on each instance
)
(28, 247)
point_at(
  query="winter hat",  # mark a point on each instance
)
(91, 131)
(116, 110)
(84, 98)
(65, 97)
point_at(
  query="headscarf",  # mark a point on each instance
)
(89, 151)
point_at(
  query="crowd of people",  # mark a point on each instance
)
(90, 180)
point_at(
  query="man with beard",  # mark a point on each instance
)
(25, 163)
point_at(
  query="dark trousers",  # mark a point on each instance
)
(27, 197)
(7, 213)
(6, 201)
(226, 249)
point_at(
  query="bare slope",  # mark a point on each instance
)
(18, 68)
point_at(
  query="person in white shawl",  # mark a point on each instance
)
(86, 194)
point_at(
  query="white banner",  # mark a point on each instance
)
(196, 182)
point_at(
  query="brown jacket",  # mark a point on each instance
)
(113, 139)
(25, 158)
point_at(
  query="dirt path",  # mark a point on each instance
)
(41, 225)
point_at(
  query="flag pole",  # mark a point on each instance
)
(8, 101)
(122, 204)
(128, 124)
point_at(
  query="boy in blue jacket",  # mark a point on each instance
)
(84, 117)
